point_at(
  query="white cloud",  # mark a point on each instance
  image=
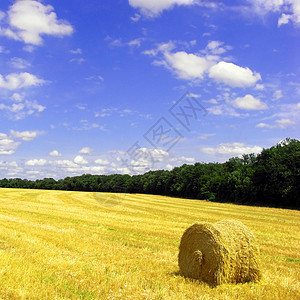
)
(107, 112)
(139, 160)
(19, 63)
(161, 48)
(86, 150)
(100, 78)
(116, 43)
(16, 81)
(259, 87)
(231, 149)
(80, 106)
(21, 110)
(193, 95)
(2, 48)
(284, 123)
(79, 60)
(187, 65)
(214, 45)
(64, 163)
(233, 75)
(97, 78)
(86, 125)
(190, 66)
(93, 169)
(5, 164)
(212, 101)
(249, 102)
(267, 5)
(55, 153)
(280, 123)
(223, 109)
(206, 136)
(264, 125)
(217, 47)
(277, 95)
(10, 169)
(287, 111)
(289, 10)
(284, 19)
(152, 8)
(17, 97)
(29, 48)
(33, 172)
(26, 136)
(80, 160)
(70, 168)
(76, 51)
(136, 17)
(7, 145)
(135, 43)
(184, 65)
(183, 160)
(29, 20)
(36, 162)
(101, 161)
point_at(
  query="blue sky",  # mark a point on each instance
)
(106, 87)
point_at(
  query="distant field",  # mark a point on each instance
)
(74, 245)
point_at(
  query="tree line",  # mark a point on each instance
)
(271, 178)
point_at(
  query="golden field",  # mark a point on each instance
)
(75, 245)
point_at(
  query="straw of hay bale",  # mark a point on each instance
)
(224, 252)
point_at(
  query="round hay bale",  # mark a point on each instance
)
(224, 252)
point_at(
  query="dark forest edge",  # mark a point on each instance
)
(270, 178)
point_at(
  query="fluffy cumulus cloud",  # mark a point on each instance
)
(55, 153)
(249, 102)
(64, 163)
(7, 145)
(80, 160)
(138, 161)
(10, 142)
(187, 65)
(289, 10)
(36, 162)
(231, 149)
(101, 161)
(195, 66)
(26, 136)
(61, 168)
(28, 20)
(217, 47)
(86, 150)
(152, 8)
(18, 108)
(233, 75)
(18, 111)
(21, 80)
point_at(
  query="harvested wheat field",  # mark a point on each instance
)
(74, 245)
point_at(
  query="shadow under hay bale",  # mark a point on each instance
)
(224, 252)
